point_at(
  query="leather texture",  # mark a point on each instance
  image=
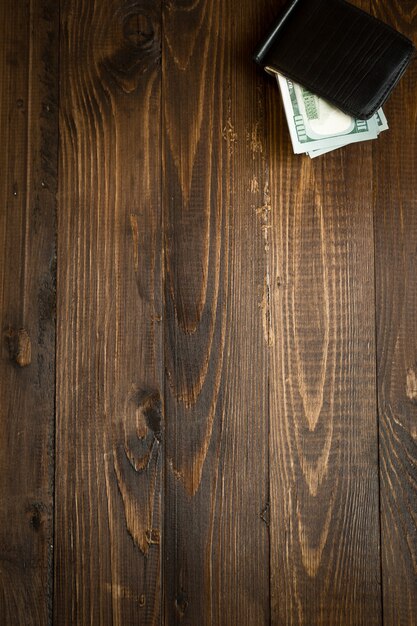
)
(338, 52)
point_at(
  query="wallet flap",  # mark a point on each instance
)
(338, 52)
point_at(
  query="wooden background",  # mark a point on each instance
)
(209, 345)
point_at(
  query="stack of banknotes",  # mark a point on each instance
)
(317, 127)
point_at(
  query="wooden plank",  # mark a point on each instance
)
(325, 565)
(395, 164)
(28, 166)
(109, 412)
(216, 211)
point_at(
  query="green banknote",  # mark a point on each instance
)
(382, 125)
(316, 126)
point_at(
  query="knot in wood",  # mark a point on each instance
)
(138, 30)
(135, 49)
(150, 403)
(20, 347)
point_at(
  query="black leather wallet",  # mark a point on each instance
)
(338, 52)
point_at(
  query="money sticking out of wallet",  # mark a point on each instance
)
(317, 127)
(336, 66)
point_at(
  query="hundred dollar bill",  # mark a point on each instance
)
(315, 124)
(381, 122)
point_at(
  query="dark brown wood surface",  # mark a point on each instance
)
(109, 389)
(395, 165)
(29, 44)
(216, 344)
(208, 392)
(323, 447)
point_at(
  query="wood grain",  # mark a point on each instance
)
(109, 400)
(323, 456)
(395, 162)
(324, 518)
(216, 341)
(28, 166)
(229, 421)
